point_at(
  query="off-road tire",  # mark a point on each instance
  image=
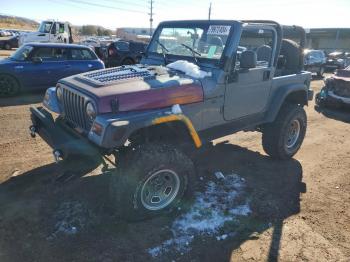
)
(291, 52)
(274, 134)
(134, 169)
(9, 86)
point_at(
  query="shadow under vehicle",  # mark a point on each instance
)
(218, 77)
(34, 200)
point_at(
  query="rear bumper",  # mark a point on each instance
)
(328, 98)
(60, 137)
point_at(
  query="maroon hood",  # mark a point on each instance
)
(137, 87)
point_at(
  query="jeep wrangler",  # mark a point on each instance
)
(198, 81)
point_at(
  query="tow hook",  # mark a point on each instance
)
(32, 131)
(57, 155)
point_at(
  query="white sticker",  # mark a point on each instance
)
(219, 30)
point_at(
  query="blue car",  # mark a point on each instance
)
(38, 66)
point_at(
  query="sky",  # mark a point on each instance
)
(134, 13)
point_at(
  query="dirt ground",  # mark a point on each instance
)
(5, 53)
(300, 209)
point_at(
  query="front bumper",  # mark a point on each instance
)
(60, 137)
(328, 98)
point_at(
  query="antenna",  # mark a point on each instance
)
(209, 11)
(151, 14)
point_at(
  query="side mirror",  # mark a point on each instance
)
(248, 59)
(37, 60)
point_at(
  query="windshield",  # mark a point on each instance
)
(22, 53)
(45, 27)
(208, 41)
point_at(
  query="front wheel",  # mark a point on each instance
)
(152, 180)
(9, 86)
(283, 138)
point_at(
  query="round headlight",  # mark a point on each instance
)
(90, 111)
(59, 93)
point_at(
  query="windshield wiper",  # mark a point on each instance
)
(164, 51)
(194, 52)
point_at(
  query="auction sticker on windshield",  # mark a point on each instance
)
(219, 30)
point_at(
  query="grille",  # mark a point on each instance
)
(74, 107)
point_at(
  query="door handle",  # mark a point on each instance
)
(89, 65)
(67, 66)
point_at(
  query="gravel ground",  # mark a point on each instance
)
(299, 210)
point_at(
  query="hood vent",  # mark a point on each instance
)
(118, 74)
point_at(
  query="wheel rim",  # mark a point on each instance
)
(8, 86)
(293, 133)
(160, 189)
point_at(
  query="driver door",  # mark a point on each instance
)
(247, 94)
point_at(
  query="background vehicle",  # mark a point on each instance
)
(337, 60)
(39, 66)
(8, 42)
(336, 92)
(49, 32)
(183, 94)
(314, 61)
(124, 53)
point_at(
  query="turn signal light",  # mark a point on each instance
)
(97, 128)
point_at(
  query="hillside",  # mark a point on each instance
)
(15, 22)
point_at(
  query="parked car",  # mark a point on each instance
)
(9, 42)
(5, 33)
(125, 53)
(337, 60)
(336, 92)
(49, 31)
(154, 115)
(39, 66)
(314, 61)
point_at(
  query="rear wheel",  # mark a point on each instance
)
(128, 61)
(7, 46)
(9, 86)
(152, 180)
(283, 138)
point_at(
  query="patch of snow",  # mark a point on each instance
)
(71, 217)
(189, 69)
(221, 202)
(176, 109)
(219, 175)
(222, 237)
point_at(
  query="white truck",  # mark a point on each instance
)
(49, 31)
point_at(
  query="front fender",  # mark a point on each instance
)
(117, 130)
